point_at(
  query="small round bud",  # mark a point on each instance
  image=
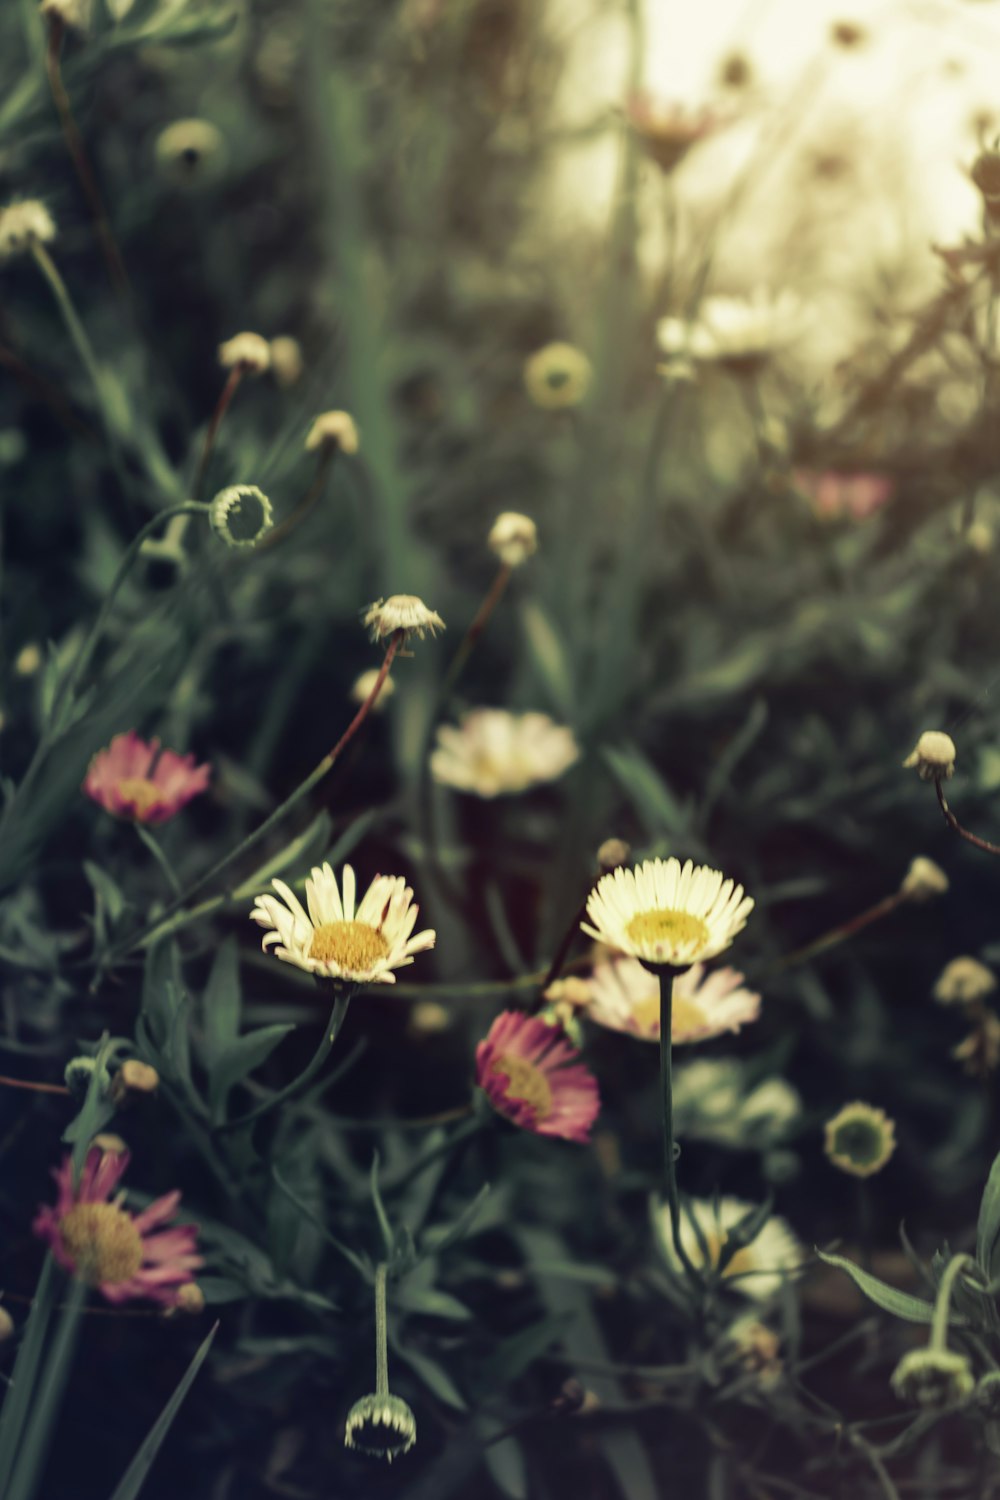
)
(6, 1325)
(247, 352)
(190, 153)
(755, 1348)
(428, 1017)
(78, 1073)
(190, 1299)
(860, 1139)
(557, 375)
(933, 756)
(241, 515)
(923, 880)
(401, 612)
(23, 225)
(110, 1144)
(286, 359)
(933, 1378)
(383, 1426)
(334, 429)
(28, 660)
(964, 981)
(134, 1078)
(363, 687)
(514, 538)
(612, 853)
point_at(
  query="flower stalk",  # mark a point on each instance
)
(666, 979)
(965, 833)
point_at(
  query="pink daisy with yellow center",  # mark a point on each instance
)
(624, 996)
(529, 1073)
(137, 780)
(123, 1255)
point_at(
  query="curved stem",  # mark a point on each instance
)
(330, 1034)
(34, 1088)
(666, 979)
(467, 644)
(306, 504)
(381, 1332)
(161, 859)
(965, 833)
(221, 407)
(841, 934)
(942, 1304)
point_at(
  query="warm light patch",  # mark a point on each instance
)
(103, 1242)
(526, 1083)
(679, 929)
(141, 793)
(741, 1262)
(352, 945)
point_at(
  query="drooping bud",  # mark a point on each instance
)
(334, 429)
(923, 880)
(241, 515)
(963, 981)
(23, 225)
(933, 1378)
(248, 352)
(933, 756)
(513, 538)
(134, 1078)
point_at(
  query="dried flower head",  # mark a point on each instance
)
(336, 940)
(190, 153)
(668, 131)
(860, 1139)
(531, 1075)
(923, 880)
(933, 756)
(514, 538)
(383, 1426)
(241, 515)
(334, 429)
(494, 753)
(933, 1378)
(364, 686)
(137, 780)
(963, 981)
(287, 363)
(401, 612)
(557, 375)
(757, 1270)
(665, 913)
(24, 224)
(248, 352)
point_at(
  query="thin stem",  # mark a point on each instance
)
(555, 967)
(381, 1332)
(468, 642)
(163, 924)
(840, 934)
(35, 1088)
(85, 175)
(459, 1137)
(330, 1034)
(306, 504)
(666, 979)
(161, 859)
(939, 1322)
(221, 407)
(47, 1399)
(965, 833)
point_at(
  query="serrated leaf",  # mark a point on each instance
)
(888, 1298)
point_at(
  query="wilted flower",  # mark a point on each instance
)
(401, 612)
(557, 375)
(934, 1378)
(668, 131)
(933, 756)
(241, 515)
(834, 495)
(626, 997)
(923, 880)
(530, 1075)
(757, 1270)
(24, 224)
(736, 331)
(248, 352)
(963, 981)
(495, 753)
(665, 913)
(137, 780)
(513, 537)
(287, 363)
(365, 684)
(383, 1426)
(336, 429)
(124, 1255)
(860, 1139)
(334, 939)
(190, 152)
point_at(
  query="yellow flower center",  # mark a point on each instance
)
(141, 792)
(352, 945)
(103, 1242)
(685, 1016)
(741, 1262)
(674, 929)
(525, 1083)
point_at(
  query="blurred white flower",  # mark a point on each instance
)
(924, 879)
(247, 351)
(734, 330)
(667, 913)
(24, 224)
(964, 981)
(495, 753)
(401, 612)
(335, 429)
(933, 756)
(758, 1270)
(626, 997)
(363, 687)
(286, 359)
(713, 1101)
(513, 538)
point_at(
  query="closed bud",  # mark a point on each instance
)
(241, 515)
(612, 853)
(134, 1078)
(933, 756)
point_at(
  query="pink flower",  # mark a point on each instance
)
(834, 495)
(626, 997)
(668, 131)
(107, 1247)
(136, 780)
(525, 1068)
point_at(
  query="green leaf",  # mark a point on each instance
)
(515, 1354)
(388, 1238)
(648, 792)
(17, 1404)
(549, 655)
(434, 1378)
(221, 1289)
(988, 1227)
(240, 1059)
(138, 1470)
(900, 1304)
(221, 1002)
(109, 903)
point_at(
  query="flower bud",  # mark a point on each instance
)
(78, 1073)
(364, 687)
(612, 853)
(286, 359)
(557, 375)
(933, 1378)
(247, 352)
(24, 224)
(428, 1017)
(190, 1298)
(963, 981)
(6, 1325)
(513, 537)
(923, 880)
(134, 1078)
(241, 515)
(933, 756)
(190, 152)
(334, 429)
(383, 1426)
(109, 1143)
(860, 1139)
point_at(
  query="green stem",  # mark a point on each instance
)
(666, 979)
(161, 859)
(464, 1133)
(381, 1332)
(330, 1034)
(18, 1400)
(36, 1444)
(939, 1322)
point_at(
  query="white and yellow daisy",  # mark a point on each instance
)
(758, 1270)
(356, 944)
(401, 612)
(624, 996)
(665, 913)
(495, 753)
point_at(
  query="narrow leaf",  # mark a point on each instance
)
(138, 1470)
(900, 1304)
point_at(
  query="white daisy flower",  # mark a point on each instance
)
(494, 753)
(336, 939)
(758, 1270)
(666, 913)
(734, 329)
(401, 612)
(626, 997)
